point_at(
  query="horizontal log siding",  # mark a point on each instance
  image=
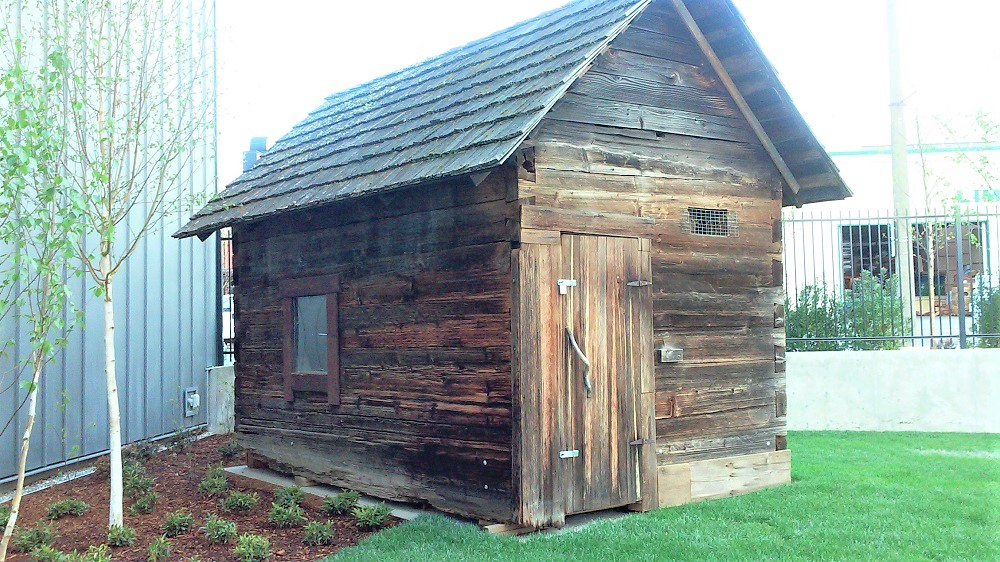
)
(425, 411)
(650, 131)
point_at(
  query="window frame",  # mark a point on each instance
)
(289, 289)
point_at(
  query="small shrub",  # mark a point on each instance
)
(213, 487)
(815, 313)
(215, 471)
(371, 516)
(317, 534)
(144, 504)
(230, 449)
(218, 530)
(873, 308)
(252, 548)
(131, 468)
(135, 482)
(177, 523)
(4, 514)
(159, 549)
(38, 536)
(986, 313)
(342, 503)
(285, 516)
(240, 501)
(95, 553)
(215, 482)
(121, 535)
(46, 553)
(292, 495)
(92, 554)
(62, 508)
(139, 452)
(180, 439)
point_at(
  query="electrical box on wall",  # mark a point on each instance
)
(192, 402)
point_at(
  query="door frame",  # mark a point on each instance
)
(536, 313)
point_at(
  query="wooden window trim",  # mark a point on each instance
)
(289, 290)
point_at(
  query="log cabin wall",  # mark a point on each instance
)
(650, 131)
(424, 314)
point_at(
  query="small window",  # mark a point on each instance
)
(310, 334)
(311, 348)
(710, 222)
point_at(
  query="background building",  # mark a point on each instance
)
(167, 321)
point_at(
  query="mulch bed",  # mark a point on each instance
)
(177, 472)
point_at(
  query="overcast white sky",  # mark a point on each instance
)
(278, 60)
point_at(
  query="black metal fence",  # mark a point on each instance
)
(879, 280)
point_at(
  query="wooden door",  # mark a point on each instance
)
(597, 416)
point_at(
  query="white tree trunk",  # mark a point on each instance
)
(15, 504)
(116, 514)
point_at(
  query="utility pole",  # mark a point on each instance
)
(900, 168)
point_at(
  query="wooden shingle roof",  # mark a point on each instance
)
(461, 112)
(470, 108)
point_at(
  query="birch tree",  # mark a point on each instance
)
(138, 106)
(929, 238)
(39, 221)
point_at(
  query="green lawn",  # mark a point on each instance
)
(854, 496)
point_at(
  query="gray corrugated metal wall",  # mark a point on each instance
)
(167, 329)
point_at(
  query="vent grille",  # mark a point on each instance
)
(710, 222)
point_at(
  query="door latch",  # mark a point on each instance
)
(641, 442)
(670, 354)
(639, 283)
(565, 284)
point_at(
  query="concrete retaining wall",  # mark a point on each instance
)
(905, 390)
(221, 386)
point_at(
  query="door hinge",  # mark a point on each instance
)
(640, 442)
(569, 454)
(639, 283)
(565, 284)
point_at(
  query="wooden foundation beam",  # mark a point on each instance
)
(718, 478)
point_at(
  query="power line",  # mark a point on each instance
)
(916, 149)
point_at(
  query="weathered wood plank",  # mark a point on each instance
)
(533, 288)
(654, 69)
(585, 222)
(405, 472)
(645, 37)
(745, 442)
(581, 109)
(424, 320)
(570, 147)
(600, 85)
(730, 422)
(450, 193)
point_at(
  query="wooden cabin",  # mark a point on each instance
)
(535, 276)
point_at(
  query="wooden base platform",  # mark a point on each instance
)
(718, 478)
